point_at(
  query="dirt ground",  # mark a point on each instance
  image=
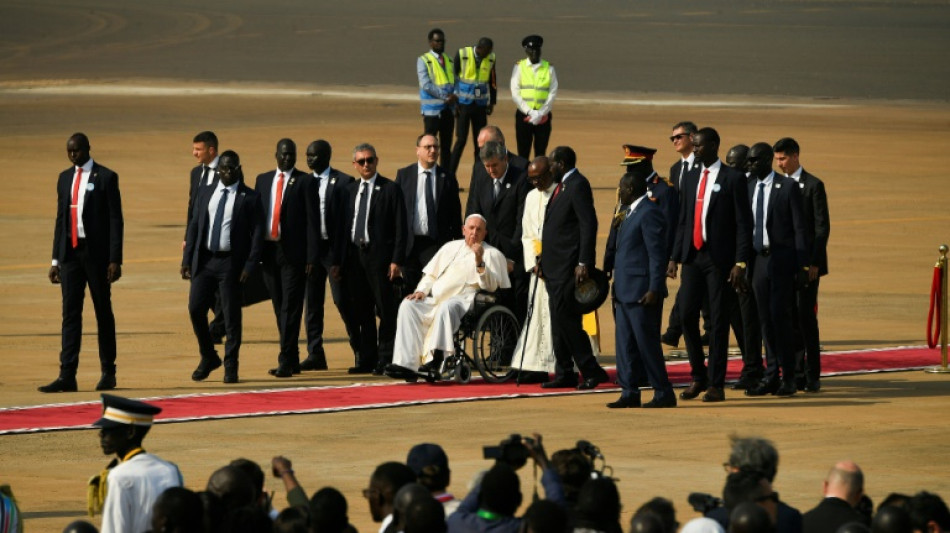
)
(888, 212)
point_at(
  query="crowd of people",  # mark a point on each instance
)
(748, 242)
(140, 492)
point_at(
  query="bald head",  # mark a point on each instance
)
(489, 133)
(233, 486)
(846, 481)
(539, 173)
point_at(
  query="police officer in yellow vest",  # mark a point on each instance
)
(475, 71)
(437, 90)
(533, 88)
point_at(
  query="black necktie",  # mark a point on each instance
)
(218, 222)
(758, 241)
(430, 202)
(361, 215)
(496, 191)
(683, 170)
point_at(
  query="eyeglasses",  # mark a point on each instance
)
(674, 138)
(430, 147)
(366, 161)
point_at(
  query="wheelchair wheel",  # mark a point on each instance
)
(463, 373)
(493, 343)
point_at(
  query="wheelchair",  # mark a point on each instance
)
(493, 331)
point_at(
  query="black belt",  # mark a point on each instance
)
(218, 255)
(764, 252)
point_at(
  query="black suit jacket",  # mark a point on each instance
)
(503, 215)
(788, 242)
(728, 220)
(478, 169)
(569, 235)
(335, 195)
(299, 215)
(817, 221)
(831, 514)
(101, 215)
(675, 169)
(448, 206)
(386, 223)
(195, 180)
(247, 229)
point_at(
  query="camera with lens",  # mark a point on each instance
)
(512, 450)
(702, 502)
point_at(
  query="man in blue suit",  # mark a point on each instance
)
(638, 263)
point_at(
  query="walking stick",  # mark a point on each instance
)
(527, 318)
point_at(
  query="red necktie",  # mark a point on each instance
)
(442, 61)
(698, 214)
(556, 190)
(74, 208)
(278, 197)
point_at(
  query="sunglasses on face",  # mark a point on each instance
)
(366, 161)
(674, 138)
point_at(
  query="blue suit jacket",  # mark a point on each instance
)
(640, 258)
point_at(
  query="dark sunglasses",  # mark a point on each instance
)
(679, 136)
(364, 162)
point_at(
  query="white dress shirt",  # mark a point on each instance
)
(323, 179)
(521, 104)
(420, 223)
(224, 242)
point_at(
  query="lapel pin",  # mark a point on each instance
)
(778, 185)
(507, 185)
(90, 186)
(376, 188)
(801, 185)
(716, 187)
(332, 181)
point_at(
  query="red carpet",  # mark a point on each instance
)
(374, 396)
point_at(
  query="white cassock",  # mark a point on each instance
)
(133, 487)
(450, 281)
(539, 355)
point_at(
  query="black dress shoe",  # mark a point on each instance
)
(281, 372)
(764, 388)
(788, 388)
(695, 389)
(60, 385)
(400, 372)
(204, 369)
(313, 364)
(360, 370)
(625, 402)
(434, 366)
(669, 401)
(800, 383)
(813, 386)
(714, 394)
(380, 369)
(230, 375)
(106, 382)
(529, 376)
(568, 381)
(745, 384)
(670, 339)
(592, 382)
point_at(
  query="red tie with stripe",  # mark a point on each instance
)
(278, 198)
(74, 208)
(698, 214)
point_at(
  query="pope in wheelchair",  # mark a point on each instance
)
(430, 317)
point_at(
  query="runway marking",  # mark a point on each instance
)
(361, 93)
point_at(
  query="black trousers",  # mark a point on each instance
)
(441, 125)
(526, 133)
(78, 270)
(286, 282)
(749, 335)
(471, 116)
(806, 339)
(370, 293)
(216, 282)
(702, 277)
(571, 343)
(774, 295)
(316, 298)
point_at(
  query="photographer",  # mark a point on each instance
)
(491, 504)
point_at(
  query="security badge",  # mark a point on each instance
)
(291, 182)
